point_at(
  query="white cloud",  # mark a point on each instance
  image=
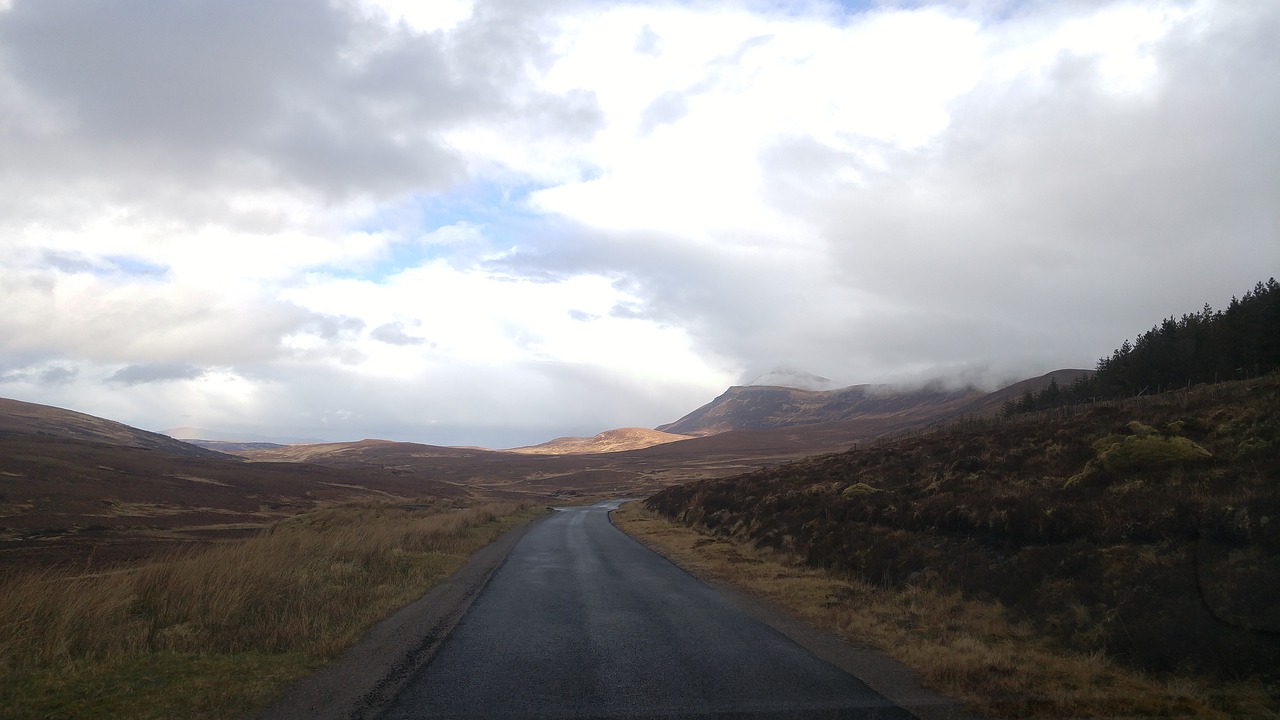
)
(438, 15)
(494, 222)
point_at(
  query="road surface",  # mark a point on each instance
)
(582, 621)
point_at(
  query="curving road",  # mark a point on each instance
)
(582, 621)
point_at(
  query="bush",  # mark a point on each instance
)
(858, 490)
(1144, 452)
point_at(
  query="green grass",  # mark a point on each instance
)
(153, 685)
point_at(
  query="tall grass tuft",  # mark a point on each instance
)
(292, 597)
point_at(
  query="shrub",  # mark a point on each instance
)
(1143, 452)
(858, 490)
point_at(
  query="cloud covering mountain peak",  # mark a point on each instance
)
(489, 222)
(792, 378)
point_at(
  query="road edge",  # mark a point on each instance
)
(897, 682)
(368, 675)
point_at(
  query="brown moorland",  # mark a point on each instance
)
(220, 630)
(140, 573)
(620, 472)
(608, 441)
(85, 490)
(89, 504)
(145, 577)
(1144, 532)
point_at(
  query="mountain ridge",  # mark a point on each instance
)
(771, 407)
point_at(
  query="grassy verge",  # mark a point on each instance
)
(965, 649)
(221, 631)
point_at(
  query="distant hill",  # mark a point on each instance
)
(80, 501)
(360, 451)
(23, 418)
(994, 402)
(764, 407)
(193, 433)
(234, 447)
(608, 441)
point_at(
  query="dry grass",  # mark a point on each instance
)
(218, 631)
(963, 648)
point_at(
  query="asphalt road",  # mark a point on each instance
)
(582, 621)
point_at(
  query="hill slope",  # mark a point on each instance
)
(760, 407)
(23, 418)
(1108, 526)
(78, 488)
(608, 441)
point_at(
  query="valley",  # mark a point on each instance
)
(88, 491)
(1082, 531)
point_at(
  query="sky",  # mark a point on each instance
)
(499, 222)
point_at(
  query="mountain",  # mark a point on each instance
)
(23, 418)
(788, 377)
(770, 407)
(608, 441)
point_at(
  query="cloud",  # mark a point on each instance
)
(494, 222)
(1063, 169)
(664, 110)
(393, 333)
(155, 372)
(225, 97)
(44, 376)
(58, 375)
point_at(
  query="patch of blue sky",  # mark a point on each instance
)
(463, 225)
(137, 267)
(106, 265)
(845, 7)
(995, 9)
(859, 6)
